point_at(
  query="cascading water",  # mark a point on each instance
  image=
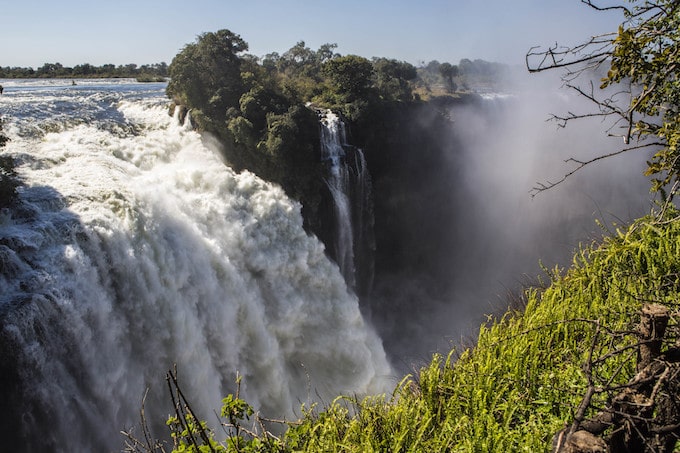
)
(133, 248)
(349, 184)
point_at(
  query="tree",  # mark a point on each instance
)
(448, 72)
(639, 96)
(467, 67)
(83, 70)
(325, 52)
(206, 75)
(299, 54)
(350, 76)
(51, 70)
(299, 70)
(640, 93)
(392, 79)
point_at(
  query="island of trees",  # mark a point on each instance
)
(258, 108)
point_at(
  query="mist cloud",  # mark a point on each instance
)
(487, 235)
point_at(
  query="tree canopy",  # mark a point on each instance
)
(208, 73)
(448, 72)
(211, 74)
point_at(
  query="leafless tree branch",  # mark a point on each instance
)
(640, 415)
(606, 8)
(540, 186)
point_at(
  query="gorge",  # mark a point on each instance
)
(134, 247)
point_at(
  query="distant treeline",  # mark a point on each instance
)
(468, 73)
(86, 70)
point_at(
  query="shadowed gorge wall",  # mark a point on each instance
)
(456, 228)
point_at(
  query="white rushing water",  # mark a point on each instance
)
(332, 140)
(135, 248)
(348, 182)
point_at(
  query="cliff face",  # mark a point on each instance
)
(411, 151)
(414, 154)
(410, 226)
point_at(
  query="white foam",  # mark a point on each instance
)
(163, 255)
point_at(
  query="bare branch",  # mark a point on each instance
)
(606, 8)
(541, 187)
(558, 59)
(171, 376)
(148, 444)
(590, 390)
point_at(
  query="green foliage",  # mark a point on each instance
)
(349, 77)
(646, 52)
(185, 433)
(257, 103)
(242, 130)
(291, 146)
(392, 77)
(249, 102)
(235, 409)
(448, 72)
(206, 75)
(447, 79)
(298, 71)
(192, 436)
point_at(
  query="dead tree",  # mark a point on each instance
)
(642, 415)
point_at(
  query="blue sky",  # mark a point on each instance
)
(71, 32)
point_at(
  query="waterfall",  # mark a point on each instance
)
(135, 248)
(349, 184)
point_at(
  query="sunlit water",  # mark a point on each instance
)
(134, 248)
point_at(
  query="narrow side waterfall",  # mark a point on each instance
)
(349, 184)
(135, 248)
